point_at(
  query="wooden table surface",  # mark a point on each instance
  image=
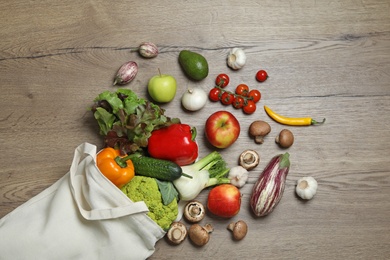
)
(325, 59)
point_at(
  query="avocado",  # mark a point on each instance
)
(194, 65)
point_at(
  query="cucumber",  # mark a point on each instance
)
(156, 168)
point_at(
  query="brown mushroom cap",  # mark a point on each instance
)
(177, 233)
(259, 129)
(285, 138)
(194, 211)
(239, 229)
(200, 235)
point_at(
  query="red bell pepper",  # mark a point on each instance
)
(175, 143)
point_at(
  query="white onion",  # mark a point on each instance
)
(194, 99)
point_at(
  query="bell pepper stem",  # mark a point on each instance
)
(193, 133)
(121, 161)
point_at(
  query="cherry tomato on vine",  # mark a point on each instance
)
(249, 107)
(227, 98)
(222, 80)
(238, 102)
(214, 94)
(261, 75)
(242, 90)
(255, 95)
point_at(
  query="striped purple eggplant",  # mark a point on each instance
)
(126, 73)
(148, 50)
(268, 190)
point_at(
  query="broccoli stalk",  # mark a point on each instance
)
(209, 171)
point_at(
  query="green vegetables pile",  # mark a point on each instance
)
(127, 121)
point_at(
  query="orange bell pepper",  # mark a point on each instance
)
(117, 169)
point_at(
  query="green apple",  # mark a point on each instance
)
(162, 88)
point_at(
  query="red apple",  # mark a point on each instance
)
(224, 200)
(222, 129)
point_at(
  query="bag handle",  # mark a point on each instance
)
(84, 160)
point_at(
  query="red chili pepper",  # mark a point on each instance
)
(175, 143)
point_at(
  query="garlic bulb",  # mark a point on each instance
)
(306, 188)
(236, 58)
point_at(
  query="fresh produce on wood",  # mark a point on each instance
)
(194, 65)
(222, 80)
(239, 229)
(200, 235)
(175, 143)
(162, 88)
(127, 121)
(300, 121)
(236, 58)
(208, 171)
(306, 188)
(215, 94)
(259, 129)
(227, 98)
(238, 176)
(194, 211)
(269, 188)
(250, 107)
(243, 98)
(146, 189)
(242, 90)
(249, 159)
(117, 169)
(261, 76)
(285, 138)
(126, 73)
(194, 99)
(224, 201)
(254, 95)
(148, 50)
(177, 233)
(222, 129)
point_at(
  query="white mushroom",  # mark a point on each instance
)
(194, 211)
(177, 233)
(249, 159)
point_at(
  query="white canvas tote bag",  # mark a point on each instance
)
(82, 216)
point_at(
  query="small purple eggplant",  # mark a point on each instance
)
(148, 50)
(126, 73)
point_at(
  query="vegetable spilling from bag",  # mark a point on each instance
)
(117, 169)
(175, 143)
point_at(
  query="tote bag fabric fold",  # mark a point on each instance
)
(81, 216)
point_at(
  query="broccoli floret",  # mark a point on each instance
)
(145, 189)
